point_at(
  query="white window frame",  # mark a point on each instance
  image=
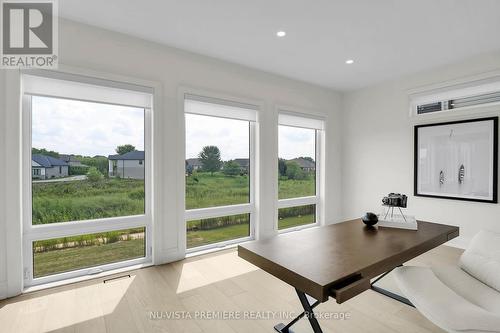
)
(314, 121)
(220, 211)
(74, 228)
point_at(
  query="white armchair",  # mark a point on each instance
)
(463, 298)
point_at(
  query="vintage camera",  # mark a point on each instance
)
(395, 200)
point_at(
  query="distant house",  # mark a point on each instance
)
(193, 164)
(304, 164)
(46, 167)
(71, 160)
(129, 165)
(244, 164)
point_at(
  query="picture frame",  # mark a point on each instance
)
(457, 160)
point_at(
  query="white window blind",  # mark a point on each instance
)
(295, 120)
(88, 89)
(219, 108)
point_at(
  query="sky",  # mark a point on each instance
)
(232, 138)
(85, 128)
(89, 129)
(296, 142)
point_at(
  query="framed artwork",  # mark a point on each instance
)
(457, 160)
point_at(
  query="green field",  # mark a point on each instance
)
(63, 260)
(83, 200)
(204, 237)
(291, 188)
(205, 190)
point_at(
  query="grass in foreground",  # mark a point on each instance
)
(295, 221)
(205, 237)
(64, 260)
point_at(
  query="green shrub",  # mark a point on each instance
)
(112, 237)
(293, 171)
(93, 175)
(231, 168)
(100, 162)
(78, 170)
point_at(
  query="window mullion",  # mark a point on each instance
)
(67, 229)
(204, 213)
(293, 202)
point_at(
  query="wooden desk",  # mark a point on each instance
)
(339, 260)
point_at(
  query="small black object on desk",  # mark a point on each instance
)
(370, 219)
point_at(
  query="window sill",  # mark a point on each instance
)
(59, 283)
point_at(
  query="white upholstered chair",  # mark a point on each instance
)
(463, 298)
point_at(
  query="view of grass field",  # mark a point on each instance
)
(204, 237)
(84, 200)
(295, 188)
(111, 197)
(76, 176)
(205, 190)
(61, 257)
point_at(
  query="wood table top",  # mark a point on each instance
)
(339, 259)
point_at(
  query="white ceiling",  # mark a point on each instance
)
(386, 38)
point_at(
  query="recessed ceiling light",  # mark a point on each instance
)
(349, 61)
(281, 34)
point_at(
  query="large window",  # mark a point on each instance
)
(87, 177)
(90, 154)
(298, 170)
(219, 198)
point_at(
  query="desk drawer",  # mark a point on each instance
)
(344, 291)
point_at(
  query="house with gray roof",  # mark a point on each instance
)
(244, 164)
(71, 160)
(128, 165)
(47, 167)
(193, 164)
(305, 164)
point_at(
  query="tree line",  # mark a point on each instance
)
(211, 161)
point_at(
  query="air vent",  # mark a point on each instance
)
(428, 108)
(457, 103)
(475, 100)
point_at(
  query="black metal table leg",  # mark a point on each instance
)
(308, 313)
(387, 293)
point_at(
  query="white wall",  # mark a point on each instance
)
(377, 151)
(99, 50)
